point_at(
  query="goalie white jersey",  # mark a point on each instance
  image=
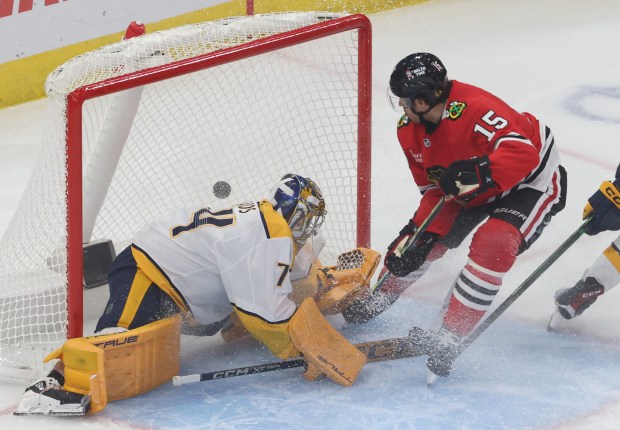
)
(238, 256)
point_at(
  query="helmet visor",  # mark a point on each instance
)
(398, 103)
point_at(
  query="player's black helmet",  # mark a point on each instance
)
(420, 76)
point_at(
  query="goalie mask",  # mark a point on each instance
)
(300, 202)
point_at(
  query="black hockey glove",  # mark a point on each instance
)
(604, 206)
(465, 179)
(401, 263)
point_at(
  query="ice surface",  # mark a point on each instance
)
(556, 59)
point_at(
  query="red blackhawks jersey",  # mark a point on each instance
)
(477, 123)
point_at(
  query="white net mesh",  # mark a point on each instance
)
(247, 122)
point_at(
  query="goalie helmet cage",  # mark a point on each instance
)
(151, 123)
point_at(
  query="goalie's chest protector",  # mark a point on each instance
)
(215, 258)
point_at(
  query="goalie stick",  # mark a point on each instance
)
(469, 339)
(380, 350)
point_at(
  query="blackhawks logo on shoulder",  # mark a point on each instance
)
(455, 109)
(403, 121)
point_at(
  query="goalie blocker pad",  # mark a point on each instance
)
(325, 350)
(118, 366)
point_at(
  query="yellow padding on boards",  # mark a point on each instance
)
(124, 364)
(323, 347)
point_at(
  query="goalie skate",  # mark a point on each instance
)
(45, 397)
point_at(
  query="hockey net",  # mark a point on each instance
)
(148, 124)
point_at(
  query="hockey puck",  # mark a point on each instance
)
(221, 189)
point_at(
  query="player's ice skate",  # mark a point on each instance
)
(46, 397)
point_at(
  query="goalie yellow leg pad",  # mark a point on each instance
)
(323, 347)
(84, 370)
(122, 365)
(274, 336)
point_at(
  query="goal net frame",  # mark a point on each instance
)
(76, 99)
(97, 110)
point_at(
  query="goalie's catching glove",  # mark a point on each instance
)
(466, 179)
(401, 262)
(604, 206)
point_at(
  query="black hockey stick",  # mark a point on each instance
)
(469, 339)
(380, 350)
(412, 240)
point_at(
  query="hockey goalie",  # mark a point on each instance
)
(217, 273)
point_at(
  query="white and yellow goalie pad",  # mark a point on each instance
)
(117, 366)
(335, 287)
(324, 349)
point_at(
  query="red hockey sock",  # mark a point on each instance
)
(492, 253)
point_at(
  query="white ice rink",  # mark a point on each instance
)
(557, 59)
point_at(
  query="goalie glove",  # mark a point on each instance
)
(401, 262)
(334, 288)
(466, 179)
(604, 207)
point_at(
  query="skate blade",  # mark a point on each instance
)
(553, 320)
(430, 378)
(55, 413)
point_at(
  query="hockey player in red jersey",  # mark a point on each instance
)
(500, 173)
(604, 274)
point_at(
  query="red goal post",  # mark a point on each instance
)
(76, 99)
(140, 127)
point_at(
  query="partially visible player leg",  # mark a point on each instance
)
(516, 222)
(599, 278)
(493, 251)
(571, 302)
